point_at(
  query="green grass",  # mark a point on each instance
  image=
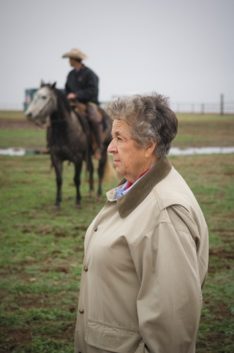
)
(205, 130)
(195, 130)
(24, 138)
(40, 256)
(41, 251)
(17, 132)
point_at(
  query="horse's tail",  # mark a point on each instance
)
(109, 172)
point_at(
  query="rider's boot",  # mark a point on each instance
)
(96, 126)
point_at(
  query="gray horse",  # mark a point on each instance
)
(67, 138)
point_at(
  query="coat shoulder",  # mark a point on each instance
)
(173, 190)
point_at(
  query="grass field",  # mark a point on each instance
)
(42, 249)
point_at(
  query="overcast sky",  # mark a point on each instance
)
(181, 48)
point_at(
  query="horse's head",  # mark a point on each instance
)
(44, 103)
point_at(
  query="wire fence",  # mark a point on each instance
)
(204, 108)
(221, 106)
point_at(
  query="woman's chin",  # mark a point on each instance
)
(118, 173)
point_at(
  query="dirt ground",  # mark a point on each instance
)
(16, 124)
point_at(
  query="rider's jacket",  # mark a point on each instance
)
(84, 83)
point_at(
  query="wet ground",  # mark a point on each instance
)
(175, 151)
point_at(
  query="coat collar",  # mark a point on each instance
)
(142, 188)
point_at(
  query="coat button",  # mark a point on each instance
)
(95, 229)
(81, 311)
(85, 268)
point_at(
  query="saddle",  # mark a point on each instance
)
(93, 120)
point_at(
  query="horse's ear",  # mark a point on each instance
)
(54, 85)
(42, 83)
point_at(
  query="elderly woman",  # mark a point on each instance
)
(146, 252)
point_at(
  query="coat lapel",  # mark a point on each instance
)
(139, 192)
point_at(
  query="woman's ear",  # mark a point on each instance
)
(149, 150)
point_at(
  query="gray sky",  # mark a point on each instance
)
(181, 48)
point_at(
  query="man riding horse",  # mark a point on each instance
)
(82, 91)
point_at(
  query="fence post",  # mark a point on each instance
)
(202, 108)
(221, 104)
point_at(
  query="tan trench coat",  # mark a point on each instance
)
(146, 257)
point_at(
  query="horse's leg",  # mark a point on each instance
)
(101, 170)
(90, 170)
(91, 180)
(58, 167)
(78, 168)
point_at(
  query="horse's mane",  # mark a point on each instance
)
(62, 100)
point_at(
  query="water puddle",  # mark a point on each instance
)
(174, 151)
(20, 152)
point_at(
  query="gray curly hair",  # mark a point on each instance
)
(150, 118)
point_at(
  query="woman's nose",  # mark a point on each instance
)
(112, 146)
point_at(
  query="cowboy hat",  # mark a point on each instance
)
(75, 53)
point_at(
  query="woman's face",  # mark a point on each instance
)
(129, 158)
